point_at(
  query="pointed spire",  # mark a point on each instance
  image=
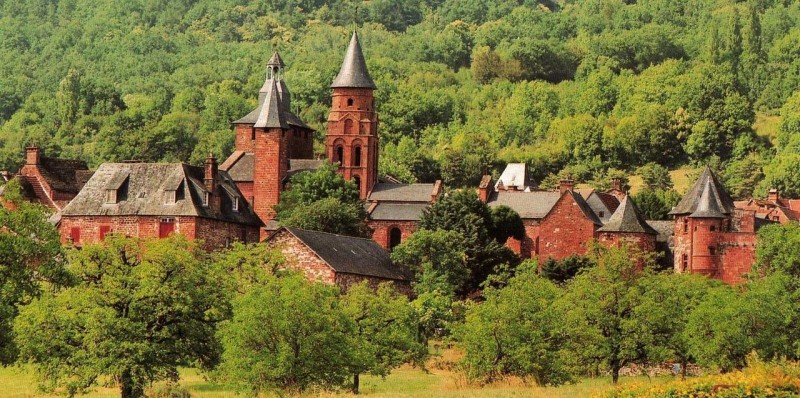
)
(692, 200)
(708, 205)
(270, 115)
(627, 218)
(276, 61)
(353, 73)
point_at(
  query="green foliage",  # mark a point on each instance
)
(517, 331)
(386, 333)
(655, 177)
(436, 259)
(563, 271)
(462, 212)
(321, 200)
(139, 310)
(287, 334)
(656, 205)
(31, 260)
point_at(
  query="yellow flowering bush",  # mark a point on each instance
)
(758, 380)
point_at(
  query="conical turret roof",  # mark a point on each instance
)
(627, 218)
(271, 115)
(709, 204)
(276, 60)
(353, 73)
(716, 198)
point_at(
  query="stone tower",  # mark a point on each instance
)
(352, 139)
(702, 217)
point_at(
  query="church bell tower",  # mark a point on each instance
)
(352, 138)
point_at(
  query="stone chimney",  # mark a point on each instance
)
(774, 195)
(32, 154)
(565, 185)
(210, 177)
(616, 184)
(437, 190)
(485, 187)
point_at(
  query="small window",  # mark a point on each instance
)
(111, 196)
(685, 226)
(339, 155)
(395, 237)
(357, 156)
(235, 205)
(252, 133)
(712, 228)
(169, 197)
(206, 198)
(712, 250)
(349, 102)
(602, 213)
(685, 261)
(776, 218)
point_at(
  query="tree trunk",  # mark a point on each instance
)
(683, 369)
(128, 388)
(615, 374)
(356, 382)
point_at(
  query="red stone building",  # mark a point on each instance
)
(337, 259)
(157, 199)
(395, 210)
(775, 208)
(49, 181)
(711, 236)
(627, 227)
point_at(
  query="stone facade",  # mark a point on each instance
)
(352, 139)
(565, 231)
(382, 231)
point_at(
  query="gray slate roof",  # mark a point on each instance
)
(388, 211)
(281, 108)
(65, 175)
(276, 60)
(587, 211)
(602, 203)
(709, 204)
(692, 200)
(528, 205)
(664, 228)
(627, 218)
(350, 255)
(389, 192)
(241, 166)
(143, 189)
(353, 73)
(271, 113)
(297, 166)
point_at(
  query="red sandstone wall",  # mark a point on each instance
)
(738, 253)
(381, 230)
(350, 126)
(565, 231)
(526, 248)
(644, 242)
(215, 234)
(270, 169)
(244, 138)
(301, 258)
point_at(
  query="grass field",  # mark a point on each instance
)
(404, 382)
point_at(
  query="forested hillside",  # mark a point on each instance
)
(587, 88)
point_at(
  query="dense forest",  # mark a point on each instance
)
(585, 88)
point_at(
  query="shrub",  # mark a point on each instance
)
(169, 390)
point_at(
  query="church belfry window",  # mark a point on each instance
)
(357, 156)
(339, 157)
(349, 102)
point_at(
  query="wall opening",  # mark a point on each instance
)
(357, 156)
(395, 236)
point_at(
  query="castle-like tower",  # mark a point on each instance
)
(704, 220)
(352, 139)
(266, 139)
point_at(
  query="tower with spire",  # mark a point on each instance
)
(267, 139)
(352, 138)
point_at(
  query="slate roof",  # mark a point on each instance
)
(389, 192)
(627, 218)
(276, 60)
(601, 203)
(142, 193)
(664, 228)
(350, 255)
(353, 73)
(65, 175)
(709, 204)
(274, 105)
(389, 211)
(535, 204)
(241, 166)
(297, 166)
(690, 202)
(587, 211)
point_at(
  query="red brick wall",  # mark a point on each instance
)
(246, 188)
(214, 233)
(381, 230)
(271, 165)
(734, 251)
(301, 258)
(351, 126)
(565, 231)
(244, 138)
(526, 248)
(738, 253)
(644, 242)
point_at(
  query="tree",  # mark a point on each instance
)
(517, 331)
(656, 205)
(655, 176)
(31, 257)
(436, 259)
(506, 223)
(599, 307)
(322, 200)
(386, 332)
(462, 212)
(140, 309)
(287, 335)
(561, 272)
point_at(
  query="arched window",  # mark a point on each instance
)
(357, 156)
(395, 236)
(357, 181)
(339, 155)
(349, 102)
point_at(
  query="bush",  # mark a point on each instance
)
(759, 379)
(169, 390)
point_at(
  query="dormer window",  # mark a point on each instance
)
(111, 196)
(235, 204)
(170, 197)
(206, 197)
